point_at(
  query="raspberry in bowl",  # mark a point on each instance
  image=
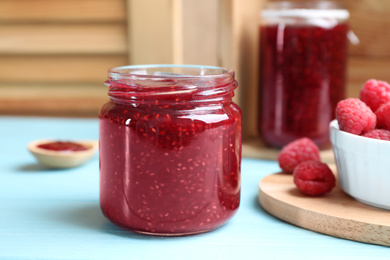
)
(363, 166)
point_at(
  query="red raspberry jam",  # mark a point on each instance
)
(302, 73)
(170, 149)
(63, 146)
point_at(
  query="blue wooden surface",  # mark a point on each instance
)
(54, 214)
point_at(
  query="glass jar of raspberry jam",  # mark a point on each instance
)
(170, 149)
(303, 53)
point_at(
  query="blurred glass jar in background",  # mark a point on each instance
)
(303, 58)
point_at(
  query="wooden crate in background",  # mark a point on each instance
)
(233, 43)
(54, 54)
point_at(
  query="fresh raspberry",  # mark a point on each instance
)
(380, 134)
(354, 116)
(375, 93)
(314, 178)
(296, 152)
(383, 117)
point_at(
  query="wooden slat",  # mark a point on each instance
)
(173, 31)
(150, 31)
(63, 39)
(361, 69)
(58, 68)
(199, 32)
(62, 11)
(239, 51)
(370, 21)
(52, 99)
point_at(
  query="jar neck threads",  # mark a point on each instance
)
(170, 84)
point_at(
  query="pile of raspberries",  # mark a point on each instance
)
(368, 116)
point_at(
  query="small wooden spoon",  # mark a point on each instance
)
(62, 159)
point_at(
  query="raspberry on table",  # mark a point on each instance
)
(314, 178)
(354, 116)
(383, 117)
(296, 152)
(380, 134)
(375, 93)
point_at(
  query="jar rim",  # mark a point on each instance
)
(311, 9)
(164, 71)
(160, 82)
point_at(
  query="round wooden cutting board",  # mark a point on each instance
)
(336, 214)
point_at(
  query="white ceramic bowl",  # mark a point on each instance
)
(363, 166)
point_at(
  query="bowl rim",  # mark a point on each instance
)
(358, 138)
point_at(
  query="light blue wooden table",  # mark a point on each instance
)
(54, 214)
